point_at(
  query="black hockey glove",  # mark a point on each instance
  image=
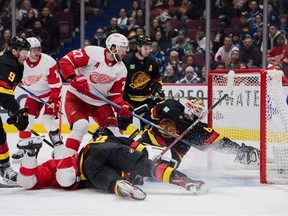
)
(19, 119)
(157, 91)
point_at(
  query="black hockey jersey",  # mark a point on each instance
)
(142, 74)
(169, 115)
(11, 72)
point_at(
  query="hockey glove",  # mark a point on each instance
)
(125, 110)
(79, 82)
(157, 91)
(55, 102)
(19, 119)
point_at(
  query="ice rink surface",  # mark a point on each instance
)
(232, 192)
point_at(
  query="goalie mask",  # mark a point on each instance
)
(194, 107)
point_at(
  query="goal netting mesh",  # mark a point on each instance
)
(255, 111)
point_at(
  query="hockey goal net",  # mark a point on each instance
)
(254, 111)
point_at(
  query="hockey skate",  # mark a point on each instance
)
(9, 175)
(17, 157)
(31, 145)
(248, 155)
(55, 137)
(124, 188)
(194, 186)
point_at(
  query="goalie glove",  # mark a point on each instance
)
(19, 119)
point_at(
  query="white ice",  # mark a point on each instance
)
(232, 192)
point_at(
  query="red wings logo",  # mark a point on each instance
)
(98, 78)
(32, 79)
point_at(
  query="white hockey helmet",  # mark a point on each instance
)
(117, 40)
(194, 106)
(34, 42)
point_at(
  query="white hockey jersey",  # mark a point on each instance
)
(39, 77)
(104, 77)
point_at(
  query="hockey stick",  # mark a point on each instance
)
(38, 98)
(230, 82)
(134, 114)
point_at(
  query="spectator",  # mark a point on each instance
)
(273, 32)
(279, 53)
(42, 35)
(28, 21)
(122, 21)
(235, 60)
(258, 24)
(169, 76)
(99, 38)
(243, 66)
(200, 45)
(173, 60)
(131, 26)
(220, 65)
(169, 31)
(181, 44)
(87, 42)
(272, 14)
(253, 11)
(244, 26)
(113, 28)
(158, 54)
(50, 23)
(189, 61)
(25, 7)
(203, 74)
(283, 23)
(6, 36)
(156, 26)
(223, 11)
(236, 40)
(224, 53)
(258, 39)
(140, 18)
(135, 7)
(250, 54)
(140, 30)
(162, 41)
(190, 76)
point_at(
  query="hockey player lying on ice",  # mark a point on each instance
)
(176, 118)
(99, 165)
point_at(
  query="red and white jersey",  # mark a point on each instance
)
(104, 77)
(278, 54)
(39, 77)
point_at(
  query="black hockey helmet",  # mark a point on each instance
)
(101, 131)
(19, 43)
(143, 40)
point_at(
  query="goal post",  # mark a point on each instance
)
(255, 112)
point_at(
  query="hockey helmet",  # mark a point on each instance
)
(101, 131)
(194, 106)
(143, 40)
(19, 43)
(34, 42)
(117, 40)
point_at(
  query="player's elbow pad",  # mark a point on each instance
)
(66, 177)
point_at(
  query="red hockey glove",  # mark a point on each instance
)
(55, 102)
(79, 82)
(125, 110)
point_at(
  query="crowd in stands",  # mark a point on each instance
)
(177, 29)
